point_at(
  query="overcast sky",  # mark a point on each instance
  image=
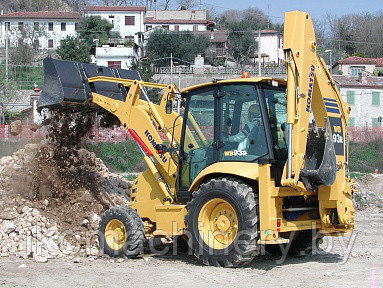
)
(316, 8)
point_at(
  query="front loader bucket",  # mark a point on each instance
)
(65, 83)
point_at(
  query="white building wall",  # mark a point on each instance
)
(363, 111)
(119, 21)
(182, 27)
(44, 34)
(119, 53)
(346, 68)
(272, 46)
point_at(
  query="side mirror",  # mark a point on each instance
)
(169, 106)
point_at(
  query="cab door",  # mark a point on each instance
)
(198, 147)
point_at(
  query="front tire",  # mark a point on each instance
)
(121, 232)
(222, 223)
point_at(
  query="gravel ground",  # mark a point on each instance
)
(333, 267)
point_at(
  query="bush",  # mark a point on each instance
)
(366, 157)
(119, 157)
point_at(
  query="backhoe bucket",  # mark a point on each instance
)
(65, 83)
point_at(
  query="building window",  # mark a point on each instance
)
(351, 97)
(36, 26)
(63, 26)
(36, 44)
(50, 43)
(166, 27)
(114, 64)
(355, 70)
(111, 19)
(76, 26)
(375, 98)
(8, 25)
(129, 20)
(50, 26)
(176, 27)
(376, 122)
(351, 122)
(21, 26)
(149, 27)
(195, 27)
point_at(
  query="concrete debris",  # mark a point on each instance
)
(369, 191)
(52, 195)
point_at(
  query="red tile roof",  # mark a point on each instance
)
(42, 15)
(151, 20)
(114, 8)
(354, 82)
(358, 60)
(219, 36)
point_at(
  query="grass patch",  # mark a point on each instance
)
(119, 157)
(366, 157)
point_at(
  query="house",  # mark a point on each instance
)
(43, 29)
(271, 46)
(218, 41)
(127, 20)
(115, 57)
(177, 20)
(364, 94)
(354, 65)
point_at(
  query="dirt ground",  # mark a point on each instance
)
(351, 261)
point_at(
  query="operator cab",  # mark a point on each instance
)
(232, 120)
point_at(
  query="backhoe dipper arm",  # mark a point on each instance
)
(310, 87)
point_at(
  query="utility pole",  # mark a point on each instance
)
(6, 52)
(171, 68)
(259, 53)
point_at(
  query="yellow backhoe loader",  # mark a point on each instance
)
(231, 164)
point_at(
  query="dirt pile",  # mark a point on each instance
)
(52, 194)
(370, 191)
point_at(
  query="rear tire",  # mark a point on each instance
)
(121, 232)
(305, 242)
(222, 223)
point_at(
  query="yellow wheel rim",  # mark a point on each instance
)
(217, 223)
(115, 234)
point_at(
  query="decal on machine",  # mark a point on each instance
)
(154, 143)
(233, 153)
(310, 91)
(337, 135)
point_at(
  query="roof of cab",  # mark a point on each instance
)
(280, 81)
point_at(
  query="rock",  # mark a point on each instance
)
(50, 246)
(94, 251)
(8, 215)
(22, 266)
(40, 259)
(15, 128)
(77, 260)
(8, 226)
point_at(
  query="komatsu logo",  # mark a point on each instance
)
(154, 143)
(310, 92)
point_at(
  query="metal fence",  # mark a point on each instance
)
(267, 70)
(23, 77)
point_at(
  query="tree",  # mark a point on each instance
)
(94, 27)
(184, 46)
(7, 95)
(241, 43)
(74, 50)
(26, 43)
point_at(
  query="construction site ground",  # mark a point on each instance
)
(343, 265)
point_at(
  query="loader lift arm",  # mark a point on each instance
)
(144, 121)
